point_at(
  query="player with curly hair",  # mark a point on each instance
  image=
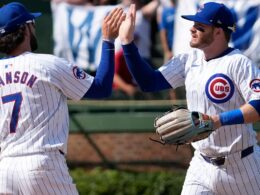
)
(34, 88)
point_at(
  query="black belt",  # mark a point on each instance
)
(218, 161)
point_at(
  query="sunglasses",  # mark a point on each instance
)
(199, 28)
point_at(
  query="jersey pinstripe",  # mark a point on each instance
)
(34, 92)
(236, 177)
(41, 174)
(213, 87)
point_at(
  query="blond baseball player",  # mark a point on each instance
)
(34, 117)
(221, 83)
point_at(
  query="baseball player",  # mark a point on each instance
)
(34, 117)
(220, 82)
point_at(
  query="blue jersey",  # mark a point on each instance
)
(167, 23)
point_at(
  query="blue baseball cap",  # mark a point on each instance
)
(215, 14)
(13, 15)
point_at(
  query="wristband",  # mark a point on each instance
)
(232, 117)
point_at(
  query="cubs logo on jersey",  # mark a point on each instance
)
(255, 85)
(79, 73)
(219, 88)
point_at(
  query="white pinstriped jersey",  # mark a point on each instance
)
(33, 102)
(215, 86)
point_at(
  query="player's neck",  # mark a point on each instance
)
(20, 49)
(213, 51)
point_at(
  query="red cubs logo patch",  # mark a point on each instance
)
(255, 85)
(219, 88)
(79, 73)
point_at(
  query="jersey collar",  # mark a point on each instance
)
(225, 52)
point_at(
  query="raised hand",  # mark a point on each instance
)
(111, 24)
(127, 28)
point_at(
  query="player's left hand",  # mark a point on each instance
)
(111, 24)
(127, 28)
(180, 126)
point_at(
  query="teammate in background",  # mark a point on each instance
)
(163, 4)
(144, 14)
(220, 82)
(33, 104)
(166, 29)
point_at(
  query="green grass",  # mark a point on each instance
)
(115, 182)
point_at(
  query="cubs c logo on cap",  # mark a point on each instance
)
(255, 85)
(219, 88)
(79, 73)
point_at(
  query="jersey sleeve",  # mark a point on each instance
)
(247, 76)
(69, 78)
(174, 70)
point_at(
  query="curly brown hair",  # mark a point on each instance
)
(11, 40)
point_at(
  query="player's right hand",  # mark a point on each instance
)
(111, 24)
(127, 28)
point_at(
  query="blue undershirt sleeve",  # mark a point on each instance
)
(102, 83)
(148, 79)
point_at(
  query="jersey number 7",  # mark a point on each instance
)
(17, 99)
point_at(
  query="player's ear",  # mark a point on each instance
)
(31, 27)
(218, 31)
(27, 30)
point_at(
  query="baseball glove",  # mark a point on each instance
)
(180, 126)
